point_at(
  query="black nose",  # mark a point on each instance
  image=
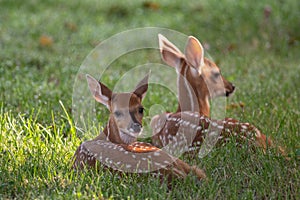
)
(136, 127)
(231, 90)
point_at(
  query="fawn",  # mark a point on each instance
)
(199, 79)
(117, 147)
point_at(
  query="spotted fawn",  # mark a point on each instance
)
(199, 79)
(117, 147)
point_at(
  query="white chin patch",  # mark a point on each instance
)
(218, 94)
(131, 133)
(127, 138)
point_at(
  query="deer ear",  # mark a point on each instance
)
(100, 92)
(169, 52)
(194, 53)
(142, 87)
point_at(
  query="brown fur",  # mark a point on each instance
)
(204, 82)
(112, 150)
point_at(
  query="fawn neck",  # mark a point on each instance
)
(125, 120)
(195, 90)
(193, 94)
(114, 135)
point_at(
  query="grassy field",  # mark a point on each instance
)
(256, 43)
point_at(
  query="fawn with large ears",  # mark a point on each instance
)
(117, 148)
(199, 79)
(126, 110)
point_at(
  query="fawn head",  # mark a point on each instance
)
(196, 74)
(126, 110)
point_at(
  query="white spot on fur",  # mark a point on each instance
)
(220, 127)
(156, 153)
(244, 127)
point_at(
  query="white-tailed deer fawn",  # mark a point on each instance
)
(117, 147)
(199, 79)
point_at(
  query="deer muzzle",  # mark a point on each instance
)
(135, 128)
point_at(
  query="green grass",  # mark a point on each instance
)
(37, 133)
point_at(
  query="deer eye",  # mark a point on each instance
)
(141, 110)
(118, 114)
(216, 74)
